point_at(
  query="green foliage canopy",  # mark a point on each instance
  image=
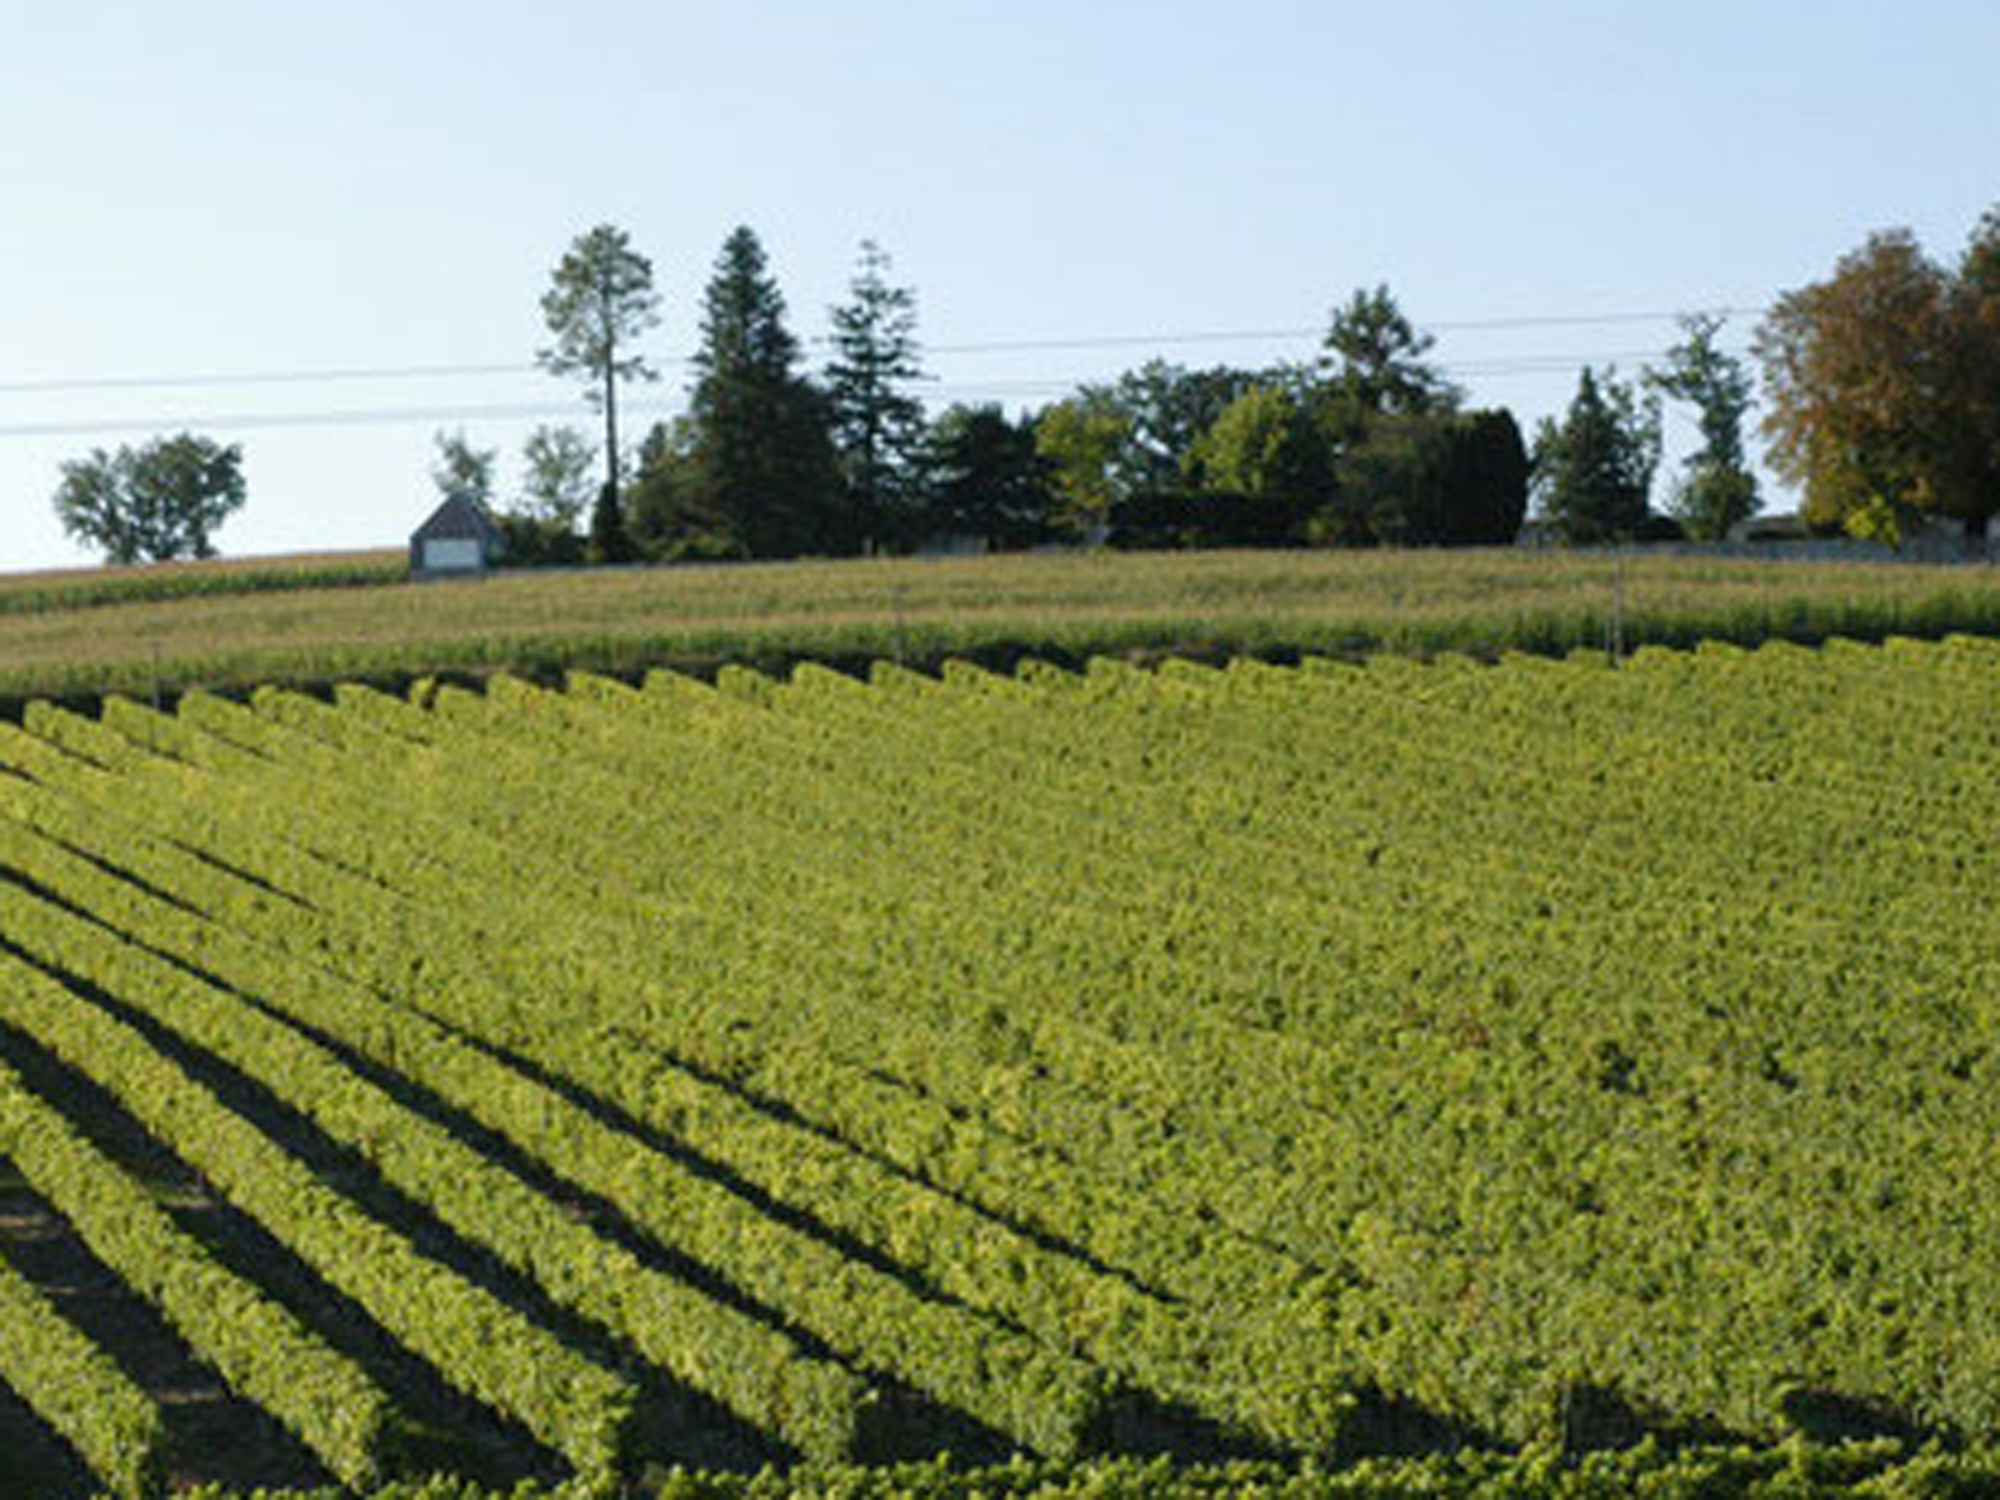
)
(877, 425)
(987, 476)
(462, 471)
(761, 460)
(1374, 360)
(1081, 438)
(1593, 470)
(154, 503)
(1457, 479)
(1882, 382)
(556, 486)
(600, 300)
(1267, 443)
(1168, 407)
(1716, 488)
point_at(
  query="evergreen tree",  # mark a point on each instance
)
(1593, 471)
(988, 477)
(1374, 361)
(1486, 473)
(668, 513)
(761, 457)
(1455, 479)
(878, 427)
(600, 300)
(610, 538)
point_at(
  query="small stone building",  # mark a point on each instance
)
(460, 539)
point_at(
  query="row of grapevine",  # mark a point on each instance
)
(750, 1368)
(582, 1410)
(805, 958)
(1033, 1396)
(259, 1348)
(1317, 1054)
(76, 1387)
(1513, 850)
(933, 1235)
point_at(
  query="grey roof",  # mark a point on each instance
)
(461, 518)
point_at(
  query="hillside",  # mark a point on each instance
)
(315, 621)
(1284, 1063)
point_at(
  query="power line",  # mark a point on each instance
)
(1275, 335)
(1582, 320)
(1127, 341)
(1487, 368)
(65, 385)
(1497, 368)
(345, 417)
(1540, 364)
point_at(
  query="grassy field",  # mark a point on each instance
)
(317, 620)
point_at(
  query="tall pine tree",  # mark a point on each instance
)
(600, 300)
(761, 459)
(878, 426)
(1374, 361)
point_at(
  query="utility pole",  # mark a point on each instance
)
(1617, 640)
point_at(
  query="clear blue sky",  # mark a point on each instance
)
(217, 187)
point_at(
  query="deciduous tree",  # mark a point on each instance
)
(1267, 443)
(1715, 489)
(1115, 441)
(462, 471)
(1882, 386)
(151, 504)
(1167, 409)
(1083, 439)
(556, 485)
(541, 526)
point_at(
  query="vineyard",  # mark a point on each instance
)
(1247, 1064)
(155, 632)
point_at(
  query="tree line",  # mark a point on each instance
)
(1883, 386)
(1368, 444)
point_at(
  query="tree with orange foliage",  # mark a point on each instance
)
(1884, 387)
